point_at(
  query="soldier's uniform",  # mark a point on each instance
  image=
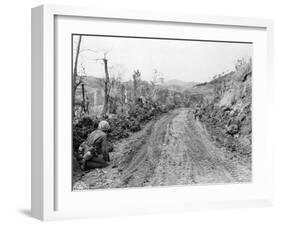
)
(94, 151)
(97, 144)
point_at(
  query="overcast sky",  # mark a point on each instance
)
(190, 61)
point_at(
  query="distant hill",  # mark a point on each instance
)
(178, 85)
(94, 82)
(94, 90)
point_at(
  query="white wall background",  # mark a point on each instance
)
(15, 111)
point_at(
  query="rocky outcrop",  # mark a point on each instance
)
(228, 116)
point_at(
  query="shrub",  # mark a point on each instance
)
(121, 125)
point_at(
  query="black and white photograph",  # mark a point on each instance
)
(150, 111)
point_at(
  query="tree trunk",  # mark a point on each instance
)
(136, 77)
(123, 94)
(75, 74)
(135, 89)
(106, 89)
(83, 99)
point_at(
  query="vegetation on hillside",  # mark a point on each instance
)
(228, 114)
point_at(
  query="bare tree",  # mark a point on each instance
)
(76, 82)
(83, 104)
(106, 80)
(123, 94)
(155, 78)
(240, 64)
(106, 84)
(136, 78)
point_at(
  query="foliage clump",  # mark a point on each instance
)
(122, 125)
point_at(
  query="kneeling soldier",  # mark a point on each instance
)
(94, 151)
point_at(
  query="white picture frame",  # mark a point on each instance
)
(45, 163)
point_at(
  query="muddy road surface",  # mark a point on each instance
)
(174, 149)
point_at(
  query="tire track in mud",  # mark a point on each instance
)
(145, 160)
(173, 150)
(185, 158)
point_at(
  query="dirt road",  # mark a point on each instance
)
(172, 150)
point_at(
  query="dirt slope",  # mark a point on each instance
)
(173, 150)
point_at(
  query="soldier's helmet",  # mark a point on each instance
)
(104, 126)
